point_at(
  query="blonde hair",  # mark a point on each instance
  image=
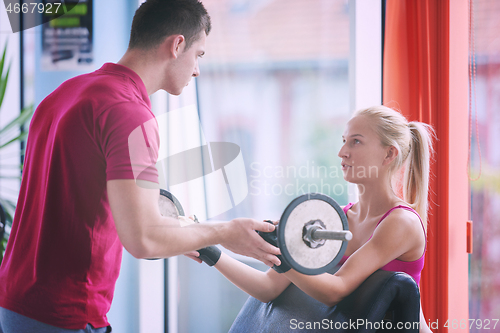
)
(413, 141)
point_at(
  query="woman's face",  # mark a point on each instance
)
(362, 154)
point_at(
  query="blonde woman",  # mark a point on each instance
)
(389, 232)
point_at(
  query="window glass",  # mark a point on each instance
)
(274, 81)
(484, 280)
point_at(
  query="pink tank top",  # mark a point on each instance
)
(412, 268)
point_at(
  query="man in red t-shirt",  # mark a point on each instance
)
(80, 200)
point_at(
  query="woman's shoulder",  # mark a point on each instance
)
(404, 210)
(403, 218)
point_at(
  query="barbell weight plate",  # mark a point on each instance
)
(169, 205)
(305, 208)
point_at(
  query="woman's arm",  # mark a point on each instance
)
(395, 236)
(264, 286)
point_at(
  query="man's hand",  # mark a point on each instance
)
(272, 238)
(239, 236)
(146, 234)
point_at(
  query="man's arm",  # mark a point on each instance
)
(146, 234)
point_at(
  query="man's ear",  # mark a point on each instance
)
(174, 45)
(391, 154)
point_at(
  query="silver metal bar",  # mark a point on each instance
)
(344, 235)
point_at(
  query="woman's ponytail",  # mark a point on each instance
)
(416, 180)
(413, 140)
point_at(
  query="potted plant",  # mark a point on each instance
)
(12, 133)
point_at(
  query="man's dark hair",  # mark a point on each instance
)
(155, 20)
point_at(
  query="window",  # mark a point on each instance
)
(274, 81)
(277, 80)
(10, 156)
(484, 281)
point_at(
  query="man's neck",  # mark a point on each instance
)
(143, 64)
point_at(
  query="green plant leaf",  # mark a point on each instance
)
(2, 62)
(21, 136)
(8, 131)
(9, 208)
(22, 119)
(3, 85)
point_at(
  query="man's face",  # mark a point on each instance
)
(185, 66)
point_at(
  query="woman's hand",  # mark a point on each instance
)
(194, 255)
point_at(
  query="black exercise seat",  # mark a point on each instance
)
(386, 297)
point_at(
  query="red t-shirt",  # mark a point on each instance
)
(63, 256)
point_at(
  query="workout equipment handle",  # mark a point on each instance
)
(344, 235)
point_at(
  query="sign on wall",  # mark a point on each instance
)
(67, 40)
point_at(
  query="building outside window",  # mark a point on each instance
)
(274, 81)
(484, 280)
